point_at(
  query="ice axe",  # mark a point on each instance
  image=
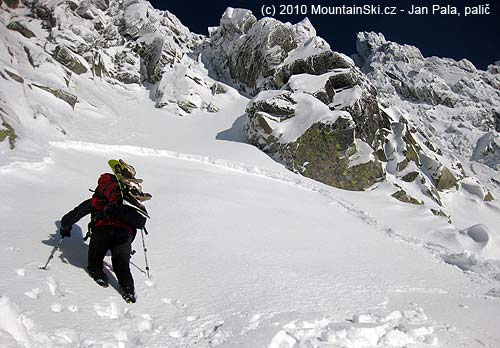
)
(56, 247)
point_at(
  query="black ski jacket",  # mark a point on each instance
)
(124, 213)
(72, 217)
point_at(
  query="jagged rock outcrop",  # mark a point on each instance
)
(7, 123)
(70, 60)
(20, 28)
(7, 132)
(250, 52)
(324, 120)
(119, 42)
(494, 68)
(266, 55)
(58, 93)
(450, 107)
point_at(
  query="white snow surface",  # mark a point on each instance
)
(311, 83)
(243, 253)
(312, 46)
(307, 112)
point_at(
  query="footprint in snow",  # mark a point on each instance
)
(56, 307)
(192, 318)
(111, 311)
(177, 333)
(151, 283)
(21, 272)
(253, 324)
(34, 294)
(65, 337)
(146, 323)
(54, 287)
(126, 339)
(397, 329)
(173, 302)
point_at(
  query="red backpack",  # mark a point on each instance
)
(107, 192)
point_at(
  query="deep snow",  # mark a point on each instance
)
(242, 252)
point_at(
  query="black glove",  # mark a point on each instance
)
(65, 231)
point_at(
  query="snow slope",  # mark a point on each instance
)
(243, 253)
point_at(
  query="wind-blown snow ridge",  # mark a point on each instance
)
(145, 151)
(474, 263)
(27, 165)
(283, 176)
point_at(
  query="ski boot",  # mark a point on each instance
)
(99, 277)
(129, 297)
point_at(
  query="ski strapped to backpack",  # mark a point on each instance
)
(132, 194)
(130, 187)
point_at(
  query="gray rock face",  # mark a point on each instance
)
(317, 64)
(496, 120)
(451, 107)
(14, 76)
(322, 150)
(44, 13)
(151, 54)
(347, 157)
(12, 3)
(128, 41)
(7, 133)
(494, 68)
(63, 95)
(69, 59)
(267, 55)
(17, 26)
(421, 79)
(249, 52)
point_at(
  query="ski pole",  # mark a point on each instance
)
(145, 252)
(56, 247)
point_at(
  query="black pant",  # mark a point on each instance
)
(119, 241)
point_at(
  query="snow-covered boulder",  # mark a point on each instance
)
(312, 139)
(237, 21)
(319, 115)
(250, 52)
(72, 61)
(20, 28)
(184, 88)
